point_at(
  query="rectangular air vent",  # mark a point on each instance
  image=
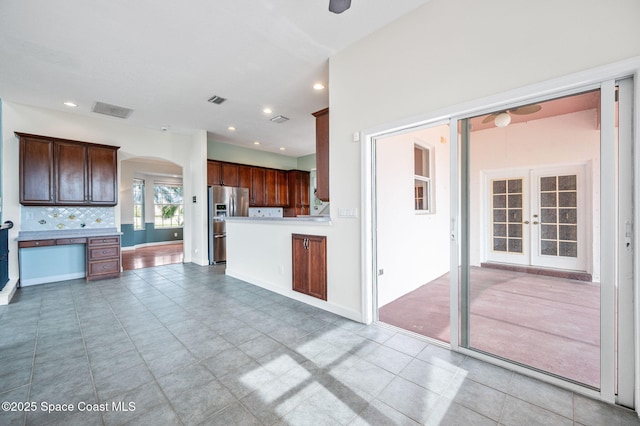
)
(217, 99)
(112, 110)
(279, 119)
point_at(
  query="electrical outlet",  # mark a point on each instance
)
(175, 234)
(281, 269)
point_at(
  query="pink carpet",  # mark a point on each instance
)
(548, 323)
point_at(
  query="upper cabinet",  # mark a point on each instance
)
(219, 173)
(62, 172)
(36, 171)
(322, 154)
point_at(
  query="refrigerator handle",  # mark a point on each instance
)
(232, 205)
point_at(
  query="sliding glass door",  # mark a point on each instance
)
(545, 204)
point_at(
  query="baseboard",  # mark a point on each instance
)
(51, 279)
(327, 306)
(8, 291)
(160, 243)
(547, 272)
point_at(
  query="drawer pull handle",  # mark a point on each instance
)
(37, 243)
(104, 252)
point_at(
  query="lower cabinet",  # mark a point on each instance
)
(310, 264)
(103, 257)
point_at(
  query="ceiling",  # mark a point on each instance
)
(164, 59)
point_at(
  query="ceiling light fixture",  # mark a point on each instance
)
(282, 148)
(267, 111)
(339, 6)
(318, 86)
(502, 120)
(256, 143)
(71, 104)
(231, 129)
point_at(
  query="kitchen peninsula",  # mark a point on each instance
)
(260, 251)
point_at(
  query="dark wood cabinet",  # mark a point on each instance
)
(36, 171)
(299, 188)
(102, 165)
(244, 177)
(62, 172)
(103, 257)
(257, 191)
(270, 187)
(229, 173)
(213, 173)
(71, 176)
(267, 187)
(322, 154)
(310, 265)
(282, 188)
(219, 173)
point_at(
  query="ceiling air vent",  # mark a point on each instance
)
(217, 99)
(112, 110)
(279, 119)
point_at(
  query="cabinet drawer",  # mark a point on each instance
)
(65, 241)
(106, 252)
(97, 241)
(104, 267)
(36, 243)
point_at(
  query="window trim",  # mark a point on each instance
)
(171, 225)
(427, 178)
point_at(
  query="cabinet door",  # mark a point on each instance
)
(270, 187)
(257, 187)
(102, 175)
(300, 263)
(303, 188)
(310, 265)
(322, 154)
(317, 250)
(71, 173)
(244, 178)
(213, 173)
(36, 171)
(282, 188)
(229, 174)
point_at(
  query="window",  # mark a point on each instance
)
(138, 204)
(168, 205)
(422, 179)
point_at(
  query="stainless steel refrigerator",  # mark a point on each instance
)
(224, 201)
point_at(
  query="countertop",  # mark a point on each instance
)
(66, 233)
(298, 219)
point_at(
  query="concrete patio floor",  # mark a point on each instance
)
(548, 323)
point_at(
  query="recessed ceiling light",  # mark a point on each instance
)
(256, 143)
(71, 104)
(231, 129)
(267, 111)
(318, 86)
(282, 148)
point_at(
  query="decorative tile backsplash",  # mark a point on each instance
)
(53, 218)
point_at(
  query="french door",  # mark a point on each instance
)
(538, 217)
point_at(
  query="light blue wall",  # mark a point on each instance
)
(150, 234)
(253, 157)
(50, 264)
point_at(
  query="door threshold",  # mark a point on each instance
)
(547, 272)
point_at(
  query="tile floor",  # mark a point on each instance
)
(187, 345)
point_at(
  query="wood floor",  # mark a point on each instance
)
(146, 257)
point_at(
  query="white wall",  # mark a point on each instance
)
(409, 244)
(186, 151)
(443, 54)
